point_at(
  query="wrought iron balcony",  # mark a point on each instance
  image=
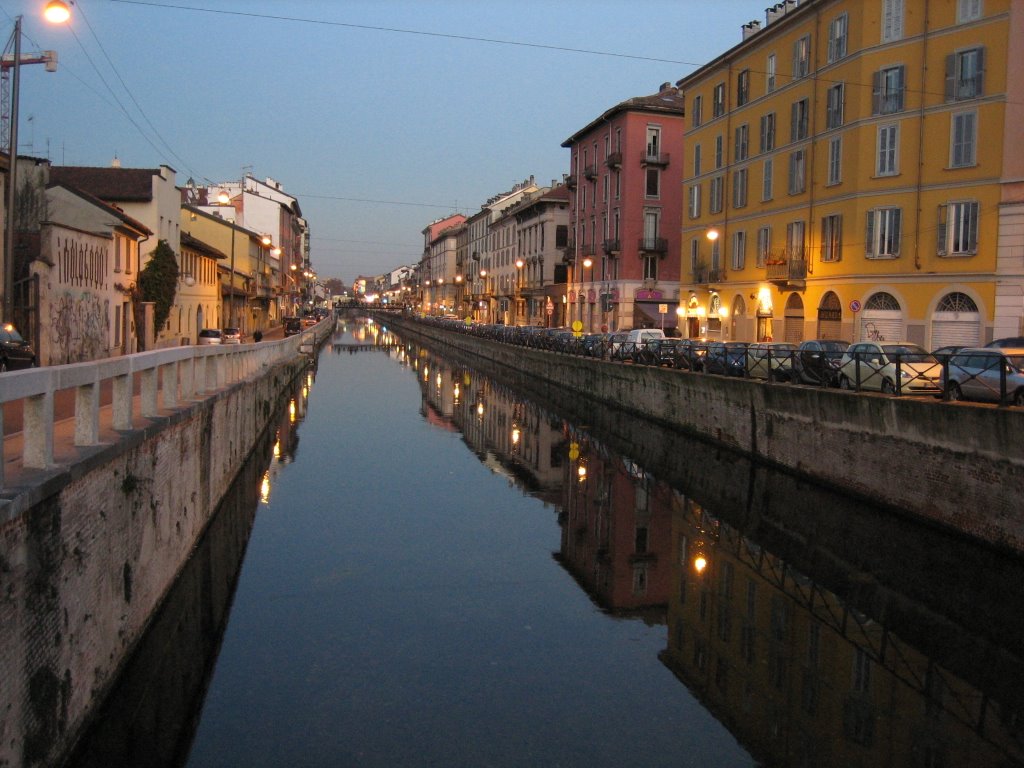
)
(786, 270)
(570, 181)
(588, 249)
(653, 245)
(706, 276)
(612, 247)
(590, 172)
(656, 158)
(614, 160)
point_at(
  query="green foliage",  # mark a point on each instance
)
(158, 282)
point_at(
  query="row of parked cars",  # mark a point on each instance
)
(994, 373)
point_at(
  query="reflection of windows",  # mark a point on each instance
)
(965, 74)
(743, 88)
(718, 100)
(768, 132)
(963, 139)
(837, 32)
(834, 107)
(769, 73)
(831, 237)
(695, 201)
(798, 120)
(698, 103)
(957, 229)
(883, 233)
(887, 88)
(801, 57)
(742, 142)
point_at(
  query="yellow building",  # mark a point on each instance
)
(859, 162)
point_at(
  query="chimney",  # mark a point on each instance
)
(773, 13)
(665, 87)
(751, 28)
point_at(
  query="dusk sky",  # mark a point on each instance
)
(379, 115)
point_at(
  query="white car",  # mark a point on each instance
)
(890, 367)
(210, 336)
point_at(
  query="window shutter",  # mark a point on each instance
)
(979, 76)
(794, 115)
(900, 87)
(941, 229)
(973, 231)
(896, 230)
(951, 77)
(869, 236)
(876, 93)
(832, 41)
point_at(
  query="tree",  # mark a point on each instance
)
(158, 282)
(334, 286)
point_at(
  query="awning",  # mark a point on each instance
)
(646, 315)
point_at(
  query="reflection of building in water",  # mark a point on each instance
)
(510, 435)
(802, 678)
(616, 528)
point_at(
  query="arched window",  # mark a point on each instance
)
(956, 302)
(883, 301)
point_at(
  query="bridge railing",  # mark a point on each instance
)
(167, 377)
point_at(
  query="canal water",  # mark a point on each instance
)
(424, 567)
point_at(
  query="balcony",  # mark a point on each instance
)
(588, 249)
(612, 247)
(706, 276)
(614, 160)
(659, 159)
(653, 245)
(569, 251)
(787, 270)
(570, 181)
(590, 172)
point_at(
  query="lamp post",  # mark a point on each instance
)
(224, 199)
(56, 12)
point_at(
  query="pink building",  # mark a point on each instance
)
(626, 203)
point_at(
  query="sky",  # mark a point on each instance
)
(380, 116)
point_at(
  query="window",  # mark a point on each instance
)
(718, 151)
(695, 201)
(835, 160)
(716, 255)
(888, 150)
(963, 141)
(739, 188)
(965, 74)
(834, 106)
(653, 182)
(653, 142)
(797, 172)
(715, 201)
(769, 74)
(766, 180)
(957, 229)
(892, 20)
(604, 191)
(798, 120)
(801, 57)
(764, 245)
(887, 91)
(831, 237)
(968, 10)
(837, 33)
(743, 88)
(742, 142)
(694, 254)
(698, 103)
(696, 159)
(795, 240)
(883, 233)
(768, 132)
(718, 101)
(739, 248)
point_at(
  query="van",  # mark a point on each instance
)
(292, 325)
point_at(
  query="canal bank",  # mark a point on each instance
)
(957, 465)
(91, 543)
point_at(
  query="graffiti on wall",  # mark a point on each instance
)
(78, 328)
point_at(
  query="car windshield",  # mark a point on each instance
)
(833, 346)
(909, 353)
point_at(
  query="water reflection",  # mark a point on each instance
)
(150, 717)
(820, 630)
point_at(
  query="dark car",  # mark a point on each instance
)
(660, 352)
(1010, 341)
(292, 325)
(690, 354)
(727, 359)
(15, 352)
(817, 361)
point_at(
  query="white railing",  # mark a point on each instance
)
(166, 378)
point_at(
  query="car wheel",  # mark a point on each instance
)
(888, 388)
(953, 391)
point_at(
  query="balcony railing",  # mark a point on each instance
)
(570, 181)
(612, 247)
(656, 158)
(614, 160)
(653, 244)
(706, 276)
(590, 172)
(588, 249)
(784, 270)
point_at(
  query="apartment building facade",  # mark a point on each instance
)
(851, 173)
(624, 210)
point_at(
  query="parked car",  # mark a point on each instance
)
(1009, 341)
(890, 367)
(292, 326)
(210, 336)
(771, 360)
(727, 358)
(690, 355)
(817, 361)
(660, 352)
(593, 345)
(618, 348)
(15, 352)
(944, 353)
(231, 336)
(986, 373)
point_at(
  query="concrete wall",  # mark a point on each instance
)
(83, 570)
(955, 464)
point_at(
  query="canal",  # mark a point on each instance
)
(422, 567)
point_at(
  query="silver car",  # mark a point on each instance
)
(989, 374)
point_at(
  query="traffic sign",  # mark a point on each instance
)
(855, 306)
(577, 325)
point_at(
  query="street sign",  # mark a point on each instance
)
(574, 451)
(662, 308)
(577, 325)
(855, 306)
(549, 308)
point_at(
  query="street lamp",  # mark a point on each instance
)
(224, 198)
(52, 14)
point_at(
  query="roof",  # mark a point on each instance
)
(667, 101)
(125, 219)
(130, 185)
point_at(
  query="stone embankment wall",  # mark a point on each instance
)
(956, 464)
(83, 570)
